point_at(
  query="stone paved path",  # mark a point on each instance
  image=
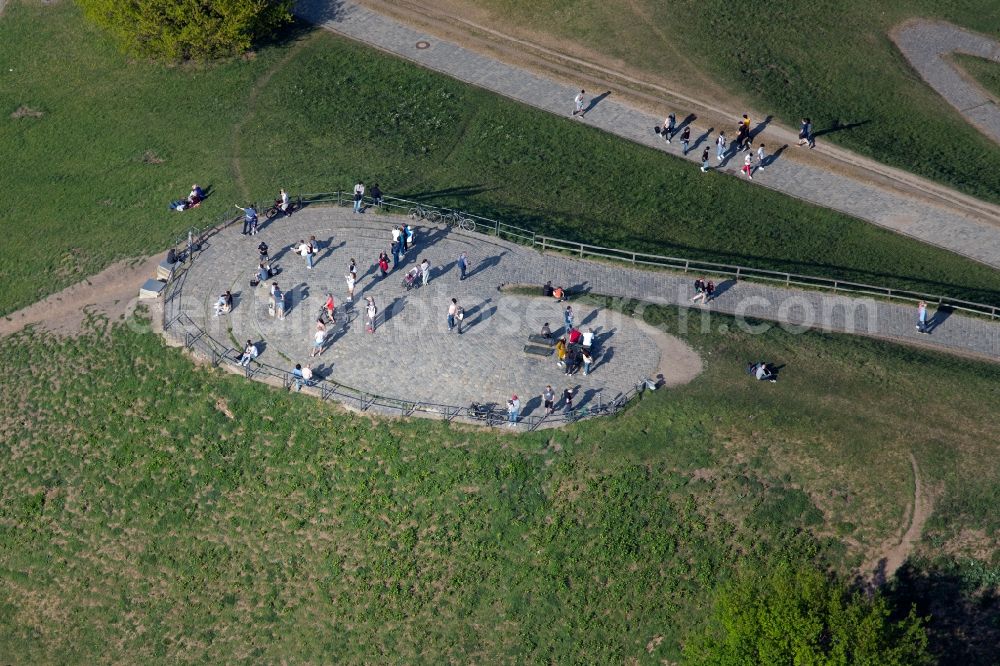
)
(412, 356)
(947, 227)
(925, 44)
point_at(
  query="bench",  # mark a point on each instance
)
(539, 340)
(538, 351)
(151, 288)
(165, 270)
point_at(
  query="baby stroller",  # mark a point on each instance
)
(412, 278)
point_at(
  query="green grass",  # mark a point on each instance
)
(316, 113)
(153, 510)
(833, 62)
(986, 72)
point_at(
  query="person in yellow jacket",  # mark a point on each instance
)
(561, 351)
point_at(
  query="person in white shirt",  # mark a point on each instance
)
(359, 196)
(249, 354)
(351, 280)
(578, 104)
(319, 338)
(513, 410)
(283, 198)
(588, 338)
(425, 271)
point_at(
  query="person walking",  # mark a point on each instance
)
(262, 249)
(249, 219)
(425, 272)
(513, 410)
(686, 139)
(297, 376)
(578, 104)
(699, 289)
(463, 265)
(548, 399)
(279, 301)
(372, 312)
(760, 157)
(568, 317)
(310, 252)
(319, 339)
(720, 146)
(452, 312)
(922, 317)
(351, 279)
(669, 126)
(359, 196)
(805, 133)
(330, 307)
(745, 132)
(748, 166)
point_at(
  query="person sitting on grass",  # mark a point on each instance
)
(196, 197)
(762, 371)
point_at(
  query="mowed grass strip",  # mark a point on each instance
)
(832, 62)
(156, 510)
(97, 145)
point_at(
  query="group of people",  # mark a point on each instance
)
(548, 403)
(704, 291)
(193, 200)
(359, 196)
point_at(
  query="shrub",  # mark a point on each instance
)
(186, 30)
(796, 614)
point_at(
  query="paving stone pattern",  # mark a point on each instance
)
(894, 210)
(925, 43)
(412, 355)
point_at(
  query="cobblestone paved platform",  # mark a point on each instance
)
(938, 224)
(411, 355)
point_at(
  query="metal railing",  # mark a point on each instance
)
(184, 329)
(525, 236)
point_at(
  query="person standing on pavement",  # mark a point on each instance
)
(568, 317)
(720, 146)
(686, 139)
(452, 312)
(297, 376)
(459, 318)
(330, 307)
(760, 157)
(669, 126)
(513, 410)
(372, 312)
(568, 397)
(587, 360)
(463, 265)
(359, 196)
(425, 272)
(704, 160)
(383, 263)
(922, 317)
(319, 338)
(249, 219)
(578, 104)
(262, 249)
(548, 399)
(351, 280)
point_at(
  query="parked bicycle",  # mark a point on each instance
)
(486, 413)
(456, 219)
(429, 214)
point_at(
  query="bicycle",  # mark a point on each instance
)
(456, 219)
(421, 213)
(486, 413)
(276, 209)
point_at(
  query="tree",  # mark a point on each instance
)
(188, 29)
(796, 614)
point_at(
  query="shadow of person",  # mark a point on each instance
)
(723, 287)
(393, 309)
(773, 157)
(484, 265)
(684, 123)
(942, 314)
(591, 316)
(760, 127)
(702, 138)
(594, 101)
(838, 127)
(531, 405)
